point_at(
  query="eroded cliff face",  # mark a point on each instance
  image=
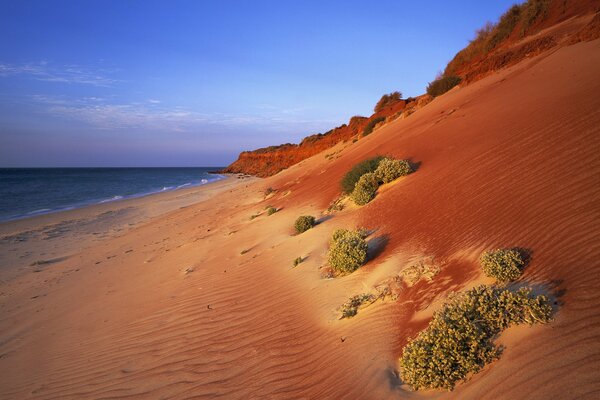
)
(268, 161)
(524, 31)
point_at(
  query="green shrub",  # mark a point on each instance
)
(304, 223)
(505, 26)
(297, 261)
(349, 180)
(365, 189)
(459, 338)
(371, 125)
(386, 100)
(271, 210)
(503, 264)
(442, 85)
(347, 251)
(390, 169)
(350, 308)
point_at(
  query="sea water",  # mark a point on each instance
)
(26, 192)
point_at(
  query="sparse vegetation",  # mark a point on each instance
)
(364, 178)
(442, 85)
(371, 125)
(350, 308)
(269, 191)
(459, 338)
(304, 223)
(254, 216)
(335, 205)
(386, 100)
(390, 169)
(349, 180)
(297, 261)
(423, 269)
(39, 262)
(271, 210)
(492, 36)
(365, 189)
(347, 251)
(503, 264)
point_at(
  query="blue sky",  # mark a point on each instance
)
(193, 83)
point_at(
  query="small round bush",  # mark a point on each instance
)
(390, 169)
(271, 210)
(347, 251)
(304, 223)
(365, 189)
(503, 264)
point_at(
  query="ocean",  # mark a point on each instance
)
(26, 192)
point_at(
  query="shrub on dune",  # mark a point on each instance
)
(347, 251)
(503, 264)
(365, 189)
(442, 85)
(371, 125)
(271, 210)
(304, 223)
(349, 180)
(390, 169)
(459, 338)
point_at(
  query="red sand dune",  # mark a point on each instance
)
(510, 160)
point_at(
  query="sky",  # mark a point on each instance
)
(192, 83)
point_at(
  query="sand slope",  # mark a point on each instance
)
(173, 309)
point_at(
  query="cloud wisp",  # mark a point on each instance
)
(106, 114)
(69, 74)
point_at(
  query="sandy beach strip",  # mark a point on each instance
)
(33, 243)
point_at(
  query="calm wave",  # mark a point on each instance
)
(25, 192)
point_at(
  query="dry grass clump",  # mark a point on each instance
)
(336, 205)
(347, 251)
(371, 125)
(424, 269)
(459, 338)
(390, 169)
(304, 223)
(442, 85)
(269, 192)
(350, 308)
(297, 261)
(386, 100)
(365, 189)
(503, 264)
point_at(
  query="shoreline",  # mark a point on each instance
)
(115, 198)
(45, 239)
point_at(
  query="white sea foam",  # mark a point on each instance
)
(39, 211)
(112, 199)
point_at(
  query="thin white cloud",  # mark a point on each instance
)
(103, 114)
(69, 74)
